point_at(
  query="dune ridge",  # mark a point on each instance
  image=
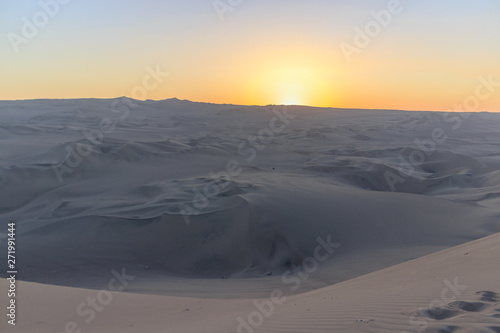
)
(180, 191)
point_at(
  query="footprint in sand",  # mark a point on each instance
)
(478, 315)
(488, 296)
(439, 313)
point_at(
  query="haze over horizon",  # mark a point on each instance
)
(406, 55)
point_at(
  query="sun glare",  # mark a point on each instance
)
(294, 85)
(293, 77)
(291, 100)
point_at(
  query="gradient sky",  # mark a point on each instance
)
(429, 57)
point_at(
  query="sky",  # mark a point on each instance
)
(434, 55)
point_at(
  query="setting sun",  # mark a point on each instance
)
(291, 91)
(304, 79)
(291, 100)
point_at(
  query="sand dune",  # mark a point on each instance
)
(222, 201)
(455, 290)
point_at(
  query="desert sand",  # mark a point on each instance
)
(176, 216)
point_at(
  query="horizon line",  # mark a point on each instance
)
(231, 104)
